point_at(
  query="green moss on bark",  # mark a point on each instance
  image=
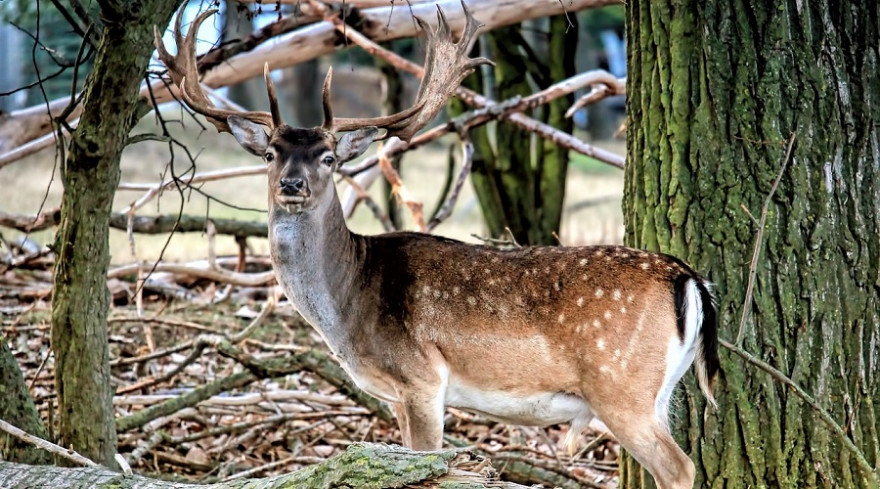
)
(17, 408)
(714, 91)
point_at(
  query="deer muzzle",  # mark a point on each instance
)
(293, 190)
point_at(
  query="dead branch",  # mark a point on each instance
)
(217, 275)
(361, 195)
(142, 224)
(488, 109)
(399, 190)
(380, 24)
(154, 189)
(46, 445)
(467, 158)
(759, 240)
(826, 418)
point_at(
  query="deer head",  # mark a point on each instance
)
(301, 161)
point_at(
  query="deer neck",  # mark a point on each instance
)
(316, 262)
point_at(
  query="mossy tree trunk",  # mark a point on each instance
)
(521, 181)
(90, 175)
(715, 90)
(18, 409)
(392, 104)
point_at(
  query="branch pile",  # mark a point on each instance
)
(227, 393)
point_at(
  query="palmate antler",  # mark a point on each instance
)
(446, 64)
(184, 72)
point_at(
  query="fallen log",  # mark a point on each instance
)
(143, 224)
(362, 465)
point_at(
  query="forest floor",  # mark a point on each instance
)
(163, 341)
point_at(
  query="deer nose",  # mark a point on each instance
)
(293, 186)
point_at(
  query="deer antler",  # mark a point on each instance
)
(446, 64)
(183, 70)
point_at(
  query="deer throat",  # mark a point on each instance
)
(306, 255)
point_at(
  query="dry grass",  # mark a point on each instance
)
(423, 173)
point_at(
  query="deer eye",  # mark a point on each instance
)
(329, 160)
(269, 157)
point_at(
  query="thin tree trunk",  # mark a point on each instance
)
(18, 409)
(90, 175)
(392, 104)
(516, 176)
(552, 159)
(715, 90)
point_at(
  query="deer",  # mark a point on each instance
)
(528, 336)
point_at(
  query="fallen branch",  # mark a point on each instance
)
(217, 275)
(45, 445)
(142, 224)
(189, 399)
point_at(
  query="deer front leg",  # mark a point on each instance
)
(423, 412)
(402, 422)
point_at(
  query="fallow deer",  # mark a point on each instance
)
(533, 336)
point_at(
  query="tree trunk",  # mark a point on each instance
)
(392, 104)
(368, 466)
(90, 176)
(715, 90)
(18, 409)
(520, 187)
(552, 159)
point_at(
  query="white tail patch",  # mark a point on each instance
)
(680, 353)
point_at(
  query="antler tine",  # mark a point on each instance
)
(325, 96)
(471, 26)
(183, 70)
(446, 65)
(273, 97)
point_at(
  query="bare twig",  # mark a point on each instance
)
(361, 195)
(759, 241)
(46, 445)
(467, 157)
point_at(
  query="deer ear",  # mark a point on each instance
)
(354, 143)
(249, 135)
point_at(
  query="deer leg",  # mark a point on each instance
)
(424, 415)
(649, 442)
(402, 423)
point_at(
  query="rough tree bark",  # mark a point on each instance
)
(715, 90)
(18, 409)
(90, 175)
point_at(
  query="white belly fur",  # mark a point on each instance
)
(537, 409)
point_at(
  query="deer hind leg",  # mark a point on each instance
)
(646, 438)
